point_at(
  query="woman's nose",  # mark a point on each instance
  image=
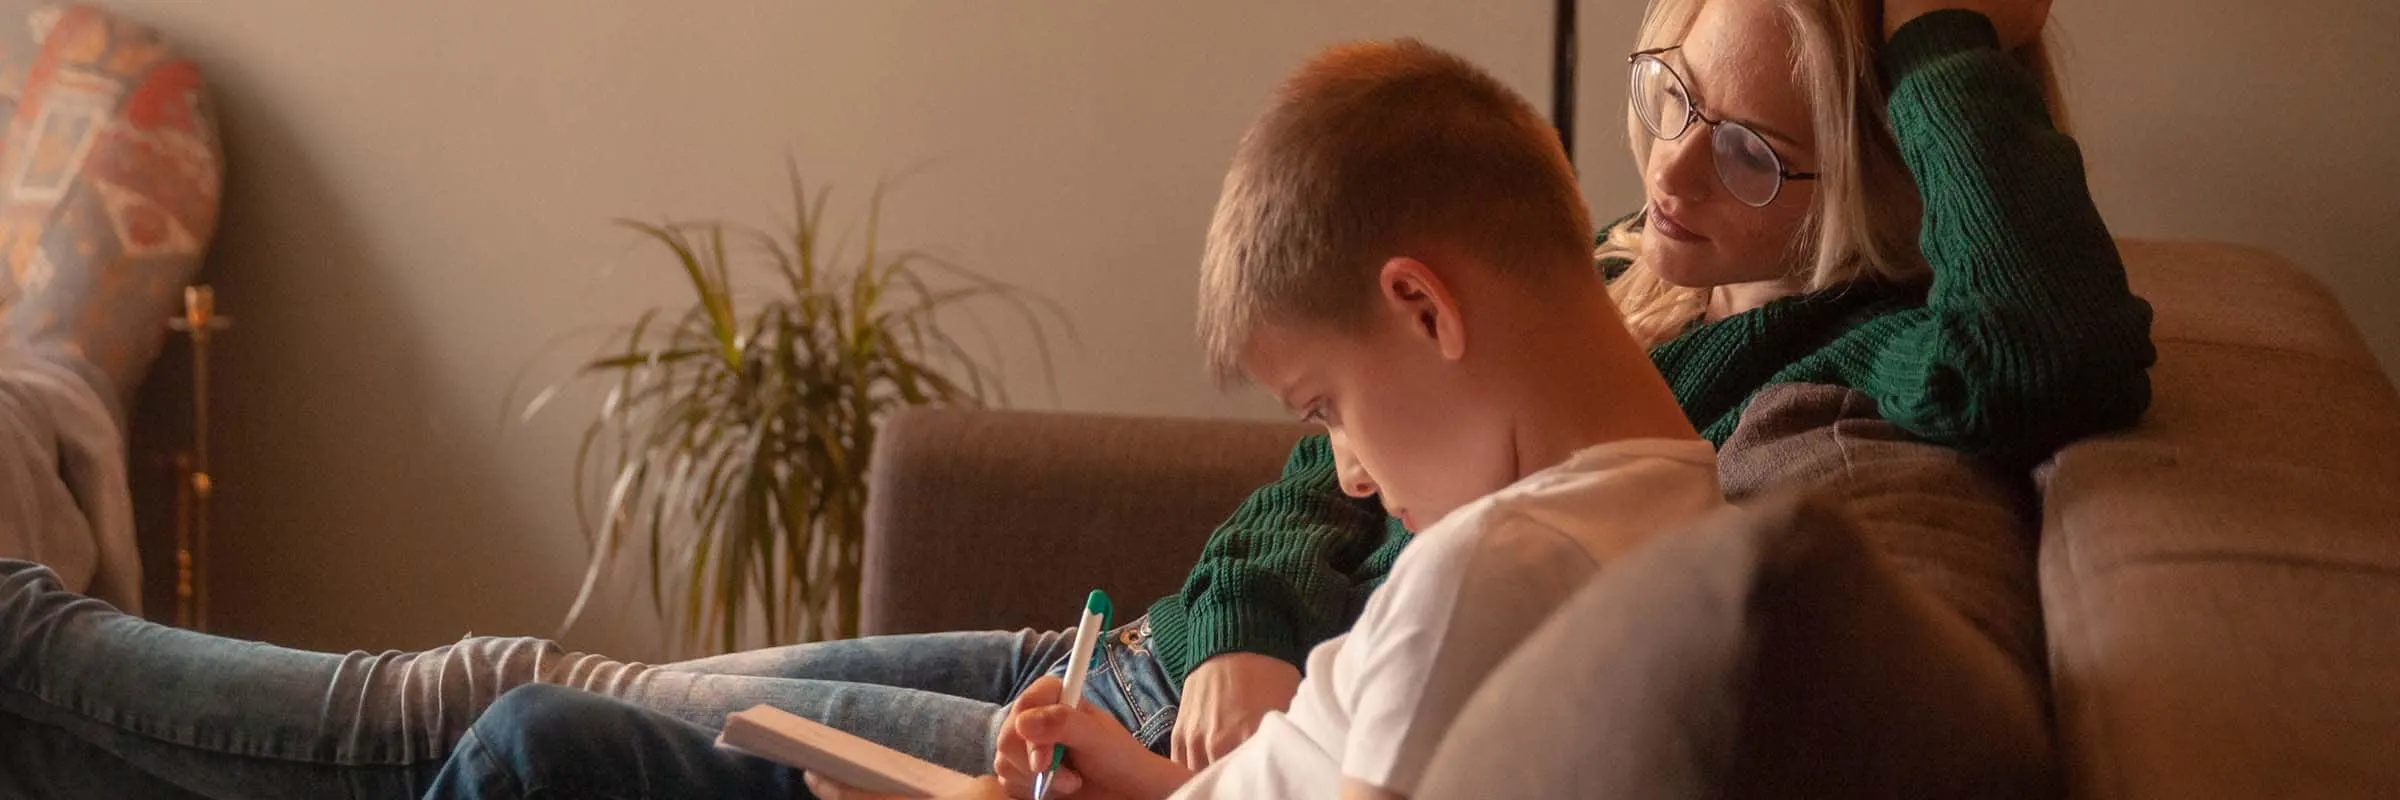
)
(1684, 169)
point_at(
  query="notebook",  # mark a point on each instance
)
(781, 736)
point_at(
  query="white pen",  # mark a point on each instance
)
(1079, 665)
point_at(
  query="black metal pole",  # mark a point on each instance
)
(1562, 74)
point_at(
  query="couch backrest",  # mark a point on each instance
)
(1004, 519)
(2221, 586)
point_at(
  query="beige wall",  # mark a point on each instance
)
(2271, 124)
(419, 192)
(419, 199)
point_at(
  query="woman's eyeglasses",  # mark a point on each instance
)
(1748, 168)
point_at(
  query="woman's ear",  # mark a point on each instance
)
(1413, 294)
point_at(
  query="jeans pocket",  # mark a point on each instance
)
(1130, 684)
(1145, 685)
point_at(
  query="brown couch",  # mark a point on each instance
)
(2220, 586)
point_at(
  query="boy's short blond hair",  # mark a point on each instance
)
(1375, 150)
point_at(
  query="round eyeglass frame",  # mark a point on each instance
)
(1717, 128)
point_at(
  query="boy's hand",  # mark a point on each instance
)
(1104, 761)
(985, 788)
(2018, 21)
(1014, 759)
(1223, 701)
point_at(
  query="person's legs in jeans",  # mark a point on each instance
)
(1130, 683)
(564, 743)
(238, 719)
(908, 661)
(61, 766)
(556, 742)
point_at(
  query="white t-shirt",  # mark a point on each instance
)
(1376, 701)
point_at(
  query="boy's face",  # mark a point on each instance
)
(1405, 419)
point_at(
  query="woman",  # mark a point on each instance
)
(1783, 241)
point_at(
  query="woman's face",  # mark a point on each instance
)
(1737, 63)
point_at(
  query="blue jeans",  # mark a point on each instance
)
(214, 717)
(556, 742)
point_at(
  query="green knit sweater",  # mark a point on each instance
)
(2026, 339)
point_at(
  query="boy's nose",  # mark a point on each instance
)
(1349, 471)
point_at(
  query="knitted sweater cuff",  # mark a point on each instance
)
(1184, 640)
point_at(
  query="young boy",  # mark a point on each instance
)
(1401, 256)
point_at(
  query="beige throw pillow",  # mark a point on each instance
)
(1955, 527)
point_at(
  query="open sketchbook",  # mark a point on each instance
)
(772, 733)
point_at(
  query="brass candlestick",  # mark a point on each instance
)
(193, 486)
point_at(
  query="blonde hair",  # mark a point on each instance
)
(1863, 221)
(1369, 152)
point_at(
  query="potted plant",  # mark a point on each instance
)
(730, 451)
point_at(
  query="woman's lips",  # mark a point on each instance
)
(1671, 227)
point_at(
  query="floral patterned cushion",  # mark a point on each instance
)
(110, 178)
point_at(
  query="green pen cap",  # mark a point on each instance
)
(1097, 603)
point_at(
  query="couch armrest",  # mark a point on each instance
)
(1004, 519)
(2219, 584)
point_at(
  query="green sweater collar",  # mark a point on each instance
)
(1713, 367)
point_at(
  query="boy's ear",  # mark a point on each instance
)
(1412, 292)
